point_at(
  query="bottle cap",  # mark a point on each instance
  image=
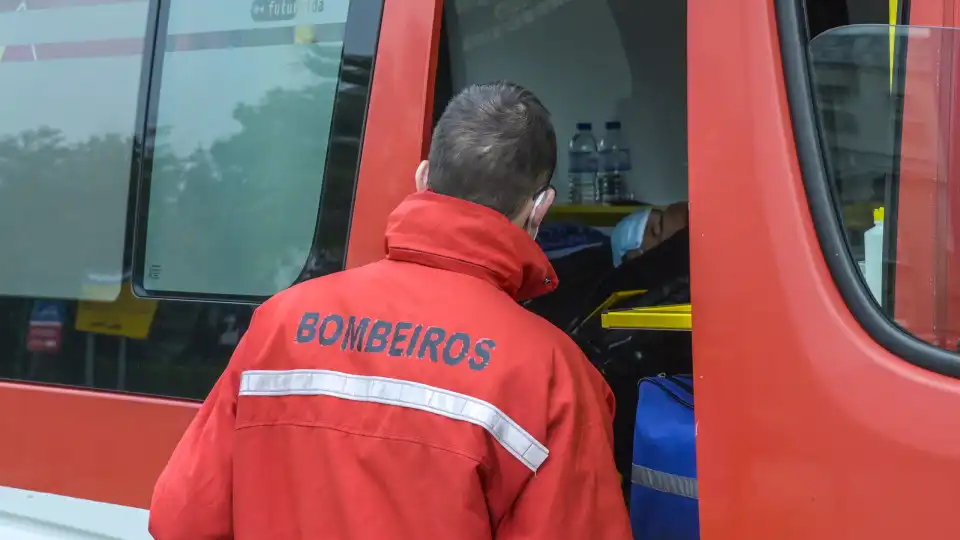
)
(613, 125)
(583, 126)
(878, 214)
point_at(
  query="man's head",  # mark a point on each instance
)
(494, 145)
(645, 229)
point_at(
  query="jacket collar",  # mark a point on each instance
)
(452, 234)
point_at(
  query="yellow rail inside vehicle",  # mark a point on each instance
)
(673, 317)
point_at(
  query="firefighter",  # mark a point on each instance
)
(414, 398)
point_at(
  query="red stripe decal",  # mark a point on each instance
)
(7, 6)
(226, 39)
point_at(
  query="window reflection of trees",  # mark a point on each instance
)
(274, 159)
(247, 204)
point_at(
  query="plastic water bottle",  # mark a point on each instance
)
(614, 164)
(873, 255)
(582, 165)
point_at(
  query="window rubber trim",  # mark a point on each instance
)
(826, 222)
(342, 160)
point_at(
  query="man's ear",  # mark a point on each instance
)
(540, 211)
(422, 175)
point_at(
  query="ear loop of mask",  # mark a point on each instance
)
(533, 212)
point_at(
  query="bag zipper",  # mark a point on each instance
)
(658, 382)
(676, 380)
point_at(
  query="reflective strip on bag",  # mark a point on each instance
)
(399, 393)
(675, 484)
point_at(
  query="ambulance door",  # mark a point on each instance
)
(824, 410)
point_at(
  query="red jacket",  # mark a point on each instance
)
(411, 398)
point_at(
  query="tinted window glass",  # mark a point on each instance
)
(69, 82)
(165, 348)
(243, 115)
(241, 94)
(888, 128)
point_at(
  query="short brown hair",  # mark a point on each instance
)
(494, 145)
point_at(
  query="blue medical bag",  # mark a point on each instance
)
(663, 492)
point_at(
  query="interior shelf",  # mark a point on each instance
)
(675, 317)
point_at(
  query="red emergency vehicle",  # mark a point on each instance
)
(165, 166)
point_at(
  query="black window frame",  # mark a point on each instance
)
(343, 152)
(792, 31)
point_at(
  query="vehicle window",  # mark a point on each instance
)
(69, 85)
(887, 127)
(241, 124)
(249, 95)
(164, 348)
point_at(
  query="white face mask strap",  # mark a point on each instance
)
(533, 212)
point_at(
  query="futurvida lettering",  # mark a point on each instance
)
(283, 10)
(398, 339)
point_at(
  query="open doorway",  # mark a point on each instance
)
(588, 62)
(612, 70)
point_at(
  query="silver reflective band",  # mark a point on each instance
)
(318, 382)
(675, 484)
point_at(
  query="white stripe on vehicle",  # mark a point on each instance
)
(399, 393)
(32, 515)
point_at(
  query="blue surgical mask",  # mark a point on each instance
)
(628, 234)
